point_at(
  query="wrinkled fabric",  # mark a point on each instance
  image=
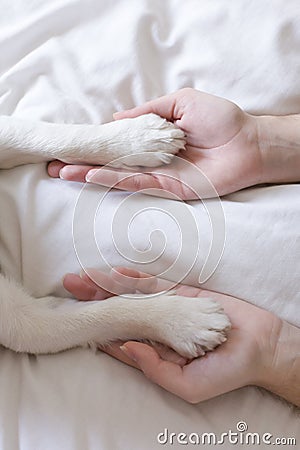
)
(78, 62)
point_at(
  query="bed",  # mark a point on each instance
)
(76, 61)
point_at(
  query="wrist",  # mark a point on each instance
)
(281, 371)
(278, 140)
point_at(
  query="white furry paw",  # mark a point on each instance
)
(192, 326)
(147, 140)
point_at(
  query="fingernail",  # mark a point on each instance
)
(90, 174)
(82, 273)
(63, 278)
(68, 170)
(128, 353)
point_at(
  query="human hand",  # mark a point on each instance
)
(247, 358)
(222, 144)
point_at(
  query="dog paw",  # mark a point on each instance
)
(193, 326)
(147, 140)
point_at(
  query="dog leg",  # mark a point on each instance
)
(49, 325)
(147, 140)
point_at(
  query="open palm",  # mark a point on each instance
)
(242, 360)
(221, 147)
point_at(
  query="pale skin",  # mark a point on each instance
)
(234, 150)
(261, 350)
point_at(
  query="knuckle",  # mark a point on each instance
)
(156, 181)
(189, 396)
(187, 392)
(192, 401)
(150, 374)
(137, 181)
(187, 90)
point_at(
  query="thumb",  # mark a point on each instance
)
(163, 106)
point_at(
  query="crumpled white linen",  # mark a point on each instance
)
(52, 227)
(78, 62)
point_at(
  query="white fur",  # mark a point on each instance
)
(23, 142)
(48, 325)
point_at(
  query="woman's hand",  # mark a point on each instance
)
(256, 352)
(222, 143)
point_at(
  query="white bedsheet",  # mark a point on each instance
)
(79, 61)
